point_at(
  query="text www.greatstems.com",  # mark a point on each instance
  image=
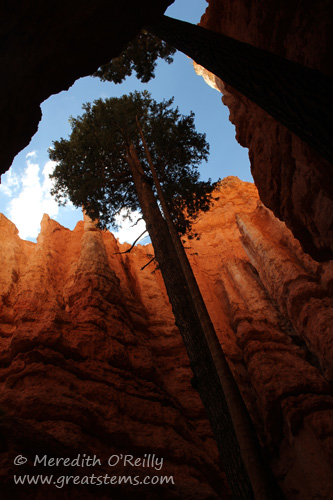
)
(62, 481)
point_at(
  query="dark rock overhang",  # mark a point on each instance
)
(46, 46)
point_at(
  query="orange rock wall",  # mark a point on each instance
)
(91, 360)
(292, 180)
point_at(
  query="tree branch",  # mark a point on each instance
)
(128, 251)
(146, 265)
(137, 221)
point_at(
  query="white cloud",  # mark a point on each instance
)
(130, 230)
(29, 198)
(34, 199)
(32, 154)
(9, 183)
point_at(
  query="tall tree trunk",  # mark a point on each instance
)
(298, 97)
(247, 440)
(187, 320)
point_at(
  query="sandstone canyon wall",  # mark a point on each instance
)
(91, 360)
(292, 179)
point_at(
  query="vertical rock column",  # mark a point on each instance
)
(277, 367)
(294, 395)
(292, 280)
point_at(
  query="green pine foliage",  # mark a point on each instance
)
(92, 169)
(140, 56)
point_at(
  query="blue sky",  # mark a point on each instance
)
(24, 191)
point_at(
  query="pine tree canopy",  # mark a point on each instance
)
(92, 165)
(140, 55)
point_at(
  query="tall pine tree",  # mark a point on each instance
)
(121, 154)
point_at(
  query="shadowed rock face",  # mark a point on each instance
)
(46, 46)
(91, 361)
(292, 179)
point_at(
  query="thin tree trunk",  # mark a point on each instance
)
(187, 320)
(249, 445)
(298, 97)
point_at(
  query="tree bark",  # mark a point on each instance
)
(298, 97)
(208, 383)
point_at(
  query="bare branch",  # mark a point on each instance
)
(146, 265)
(128, 251)
(137, 221)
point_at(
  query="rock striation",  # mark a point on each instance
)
(91, 361)
(292, 179)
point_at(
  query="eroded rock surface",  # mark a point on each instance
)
(91, 361)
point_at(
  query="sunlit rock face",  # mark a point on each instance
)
(292, 180)
(91, 361)
(46, 46)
